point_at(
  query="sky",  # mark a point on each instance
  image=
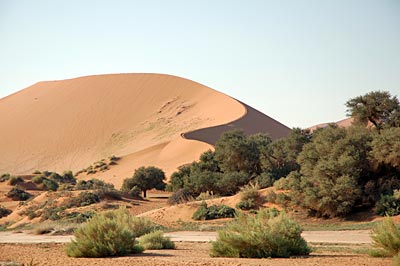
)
(297, 61)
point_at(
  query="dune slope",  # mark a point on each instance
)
(69, 124)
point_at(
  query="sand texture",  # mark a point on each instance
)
(70, 124)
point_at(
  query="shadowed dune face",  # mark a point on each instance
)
(70, 124)
(251, 123)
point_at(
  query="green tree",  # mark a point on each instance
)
(377, 107)
(145, 178)
(386, 148)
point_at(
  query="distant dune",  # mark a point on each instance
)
(342, 123)
(70, 124)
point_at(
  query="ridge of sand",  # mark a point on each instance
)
(70, 124)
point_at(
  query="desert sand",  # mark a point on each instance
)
(70, 124)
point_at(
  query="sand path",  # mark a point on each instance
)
(343, 237)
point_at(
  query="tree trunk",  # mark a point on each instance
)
(144, 193)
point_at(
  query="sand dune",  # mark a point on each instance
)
(69, 124)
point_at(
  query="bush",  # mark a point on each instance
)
(13, 180)
(84, 199)
(213, 212)
(4, 212)
(180, 196)
(142, 226)
(92, 184)
(4, 177)
(386, 236)
(156, 240)
(49, 184)
(260, 236)
(105, 235)
(250, 198)
(109, 193)
(18, 194)
(388, 205)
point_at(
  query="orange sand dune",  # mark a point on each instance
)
(342, 123)
(69, 124)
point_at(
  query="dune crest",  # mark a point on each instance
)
(69, 124)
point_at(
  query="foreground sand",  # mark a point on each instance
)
(185, 254)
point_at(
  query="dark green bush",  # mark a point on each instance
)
(204, 212)
(4, 211)
(84, 199)
(52, 213)
(388, 205)
(105, 235)
(156, 240)
(92, 184)
(18, 194)
(49, 184)
(13, 180)
(78, 217)
(4, 177)
(260, 236)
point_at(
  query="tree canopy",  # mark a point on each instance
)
(145, 178)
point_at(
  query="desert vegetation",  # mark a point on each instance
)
(330, 172)
(144, 178)
(263, 235)
(386, 239)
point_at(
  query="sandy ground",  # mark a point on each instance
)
(345, 237)
(187, 254)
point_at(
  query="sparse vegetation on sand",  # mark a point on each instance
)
(205, 212)
(107, 234)
(386, 238)
(260, 236)
(156, 240)
(18, 194)
(100, 166)
(250, 198)
(4, 211)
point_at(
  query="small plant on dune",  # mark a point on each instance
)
(4, 211)
(4, 177)
(13, 180)
(386, 237)
(84, 199)
(92, 184)
(204, 212)
(18, 194)
(105, 235)
(263, 235)
(156, 240)
(250, 198)
(206, 195)
(180, 196)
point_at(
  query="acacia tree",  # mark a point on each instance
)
(145, 178)
(377, 107)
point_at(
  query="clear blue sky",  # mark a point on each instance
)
(296, 61)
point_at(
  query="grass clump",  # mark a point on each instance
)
(389, 204)
(18, 194)
(204, 212)
(250, 198)
(386, 237)
(142, 226)
(4, 211)
(156, 240)
(84, 199)
(180, 196)
(260, 236)
(105, 235)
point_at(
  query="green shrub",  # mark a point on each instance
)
(180, 196)
(92, 184)
(388, 205)
(156, 240)
(77, 217)
(13, 180)
(52, 213)
(142, 226)
(105, 235)
(4, 177)
(386, 236)
(260, 236)
(204, 212)
(18, 194)
(37, 179)
(4, 211)
(49, 184)
(108, 193)
(84, 199)
(250, 198)
(206, 195)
